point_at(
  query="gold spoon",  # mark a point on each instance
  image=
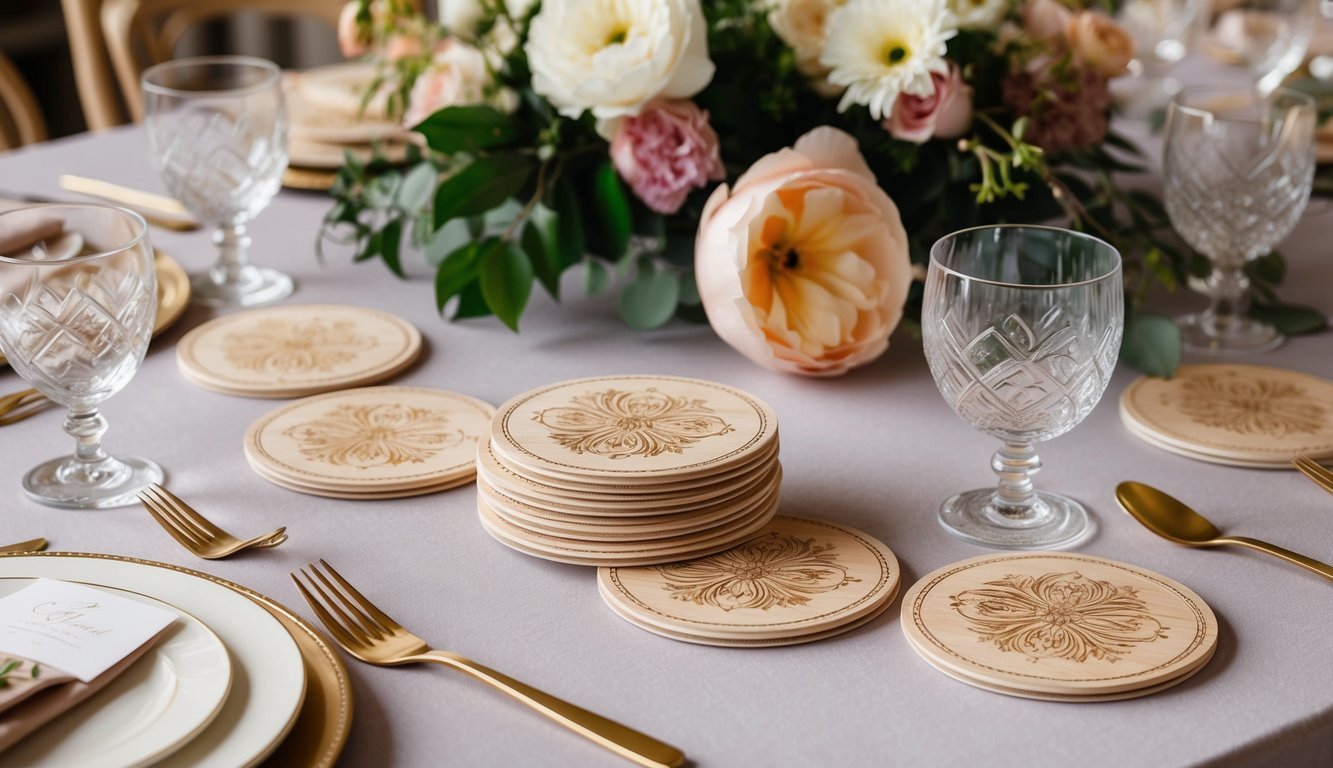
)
(1169, 518)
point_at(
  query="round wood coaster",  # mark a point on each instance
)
(631, 429)
(298, 350)
(794, 578)
(1152, 439)
(1236, 413)
(372, 440)
(1058, 623)
(370, 496)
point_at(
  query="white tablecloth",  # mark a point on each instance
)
(878, 450)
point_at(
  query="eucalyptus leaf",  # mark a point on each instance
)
(466, 129)
(650, 299)
(1151, 345)
(595, 277)
(506, 280)
(483, 184)
(1290, 319)
(417, 186)
(382, 190)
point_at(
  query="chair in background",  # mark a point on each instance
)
(98, 93)
(20, 118)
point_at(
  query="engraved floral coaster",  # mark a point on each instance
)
(1245, 414)
(297, 351)
(1058, 623)
(795, 578)
(372, 440)
(628, 429)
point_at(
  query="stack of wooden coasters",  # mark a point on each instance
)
(296, 351)
(1059, 626)
(1238, 415)
(372, 443)
(628, 470)
(796, 581)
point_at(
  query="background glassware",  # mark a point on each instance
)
(78, 296)
(1239, 166)
(1267, 36)
(1163, 31)
(217, 135)
(1022, 329)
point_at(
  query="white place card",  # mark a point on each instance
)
(77, 629)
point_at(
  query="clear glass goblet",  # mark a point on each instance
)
(217, 135)
(78, 297)
(1238, 170)
(1267, 36)
(1022, 329)
(1163, 31)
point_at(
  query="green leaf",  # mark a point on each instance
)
(417, 187)
(381, 191)
(9, 667)
(483, 184)
(613, 210)
(1290, 319)
(535, 246)
(1269, 269)
(466, 129)
(372, 247)
(1151, 345)
(506, 280)
(471, 303)
(446, 240)
(456, 272)
(36, 670)
(689, 290)
(595, 277)
(569, 236)
(650, 300)
(391, 239)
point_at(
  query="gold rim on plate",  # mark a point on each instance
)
(325, 717)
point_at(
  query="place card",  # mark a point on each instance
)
(78, 629)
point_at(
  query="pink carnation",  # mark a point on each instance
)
(667, 151)
(946, 113)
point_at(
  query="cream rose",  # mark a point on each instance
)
(802, 24)
(457, 76)
(1046, 20)
(1100, 43)
(978, 14)
(803, 264)
(614, 56)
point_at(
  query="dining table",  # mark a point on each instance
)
(877, 450)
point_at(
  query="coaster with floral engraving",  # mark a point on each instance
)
(1152, 439)
(625, 430)
(1243, 413)
(1058, 623)
(371, 440)
(359, 495)
(296, 351)
(795, 578)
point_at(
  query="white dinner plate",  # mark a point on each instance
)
(150, 709)
(268, 677)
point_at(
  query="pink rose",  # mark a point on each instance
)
(946, 113)
(667, 151)
(803, 265)
(352, 39)
(1046, 20)
(457, 76)
(402, 46)
(1100, 43)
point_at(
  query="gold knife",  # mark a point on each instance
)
(158, 209)
(35, 545)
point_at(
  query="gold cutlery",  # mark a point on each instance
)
(1321, 475)
(368, 634)
(20, 405)
(159, 210)
(12, 401)
(194, 531)
(31, 545)
(1171, 519)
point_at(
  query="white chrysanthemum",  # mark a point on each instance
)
(614, 56)
(978, 14)
(879, 49)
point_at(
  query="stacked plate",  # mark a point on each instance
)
(796, 581)
(236, 679)
(371, 443)
(1238, 415)
(1059, 626)
(628, 470)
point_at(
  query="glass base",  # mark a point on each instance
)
(1244, 337)
(1055, 521)
(258, 285)
(64, 482)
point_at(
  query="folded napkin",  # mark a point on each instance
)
(18, 238)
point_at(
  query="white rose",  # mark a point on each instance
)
(802, 24)
(613, 57)
(457, 77)
(978, 14)
(461, 16)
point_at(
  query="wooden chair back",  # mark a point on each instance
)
(20, 118)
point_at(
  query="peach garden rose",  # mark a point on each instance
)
(803, 264)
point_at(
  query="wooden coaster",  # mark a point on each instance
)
(569, 484)
(372, 440)
(1151, 439)
(296, 351)
(1244, 413)
(631, 429)
(795, 578)
(371, 496)
(1058, 623)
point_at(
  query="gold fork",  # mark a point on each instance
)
(194, 531)
(12, 401)
(31, 545)
(15, 411)
(368, 633)
(1317, 472)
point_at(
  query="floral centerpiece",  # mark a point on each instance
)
(778, 167)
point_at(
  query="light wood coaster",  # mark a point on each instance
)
(794, 579)
(371, 440)
(291, 351)
(631, 429)
(360, 496)
(1234, 413)
(1152, 439)
(1058, 623)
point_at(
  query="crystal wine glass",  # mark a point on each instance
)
(217, 135)
(1267, 36)
(78, 296)
(1239, 166)
(1022, 328)
(1162, 31)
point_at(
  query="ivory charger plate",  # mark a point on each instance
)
(1056, 624)
(324, 105)
(290, 351)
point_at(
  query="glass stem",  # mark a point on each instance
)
(1229, 289)
(233, 254)
(87, 428)
(1015, 464)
